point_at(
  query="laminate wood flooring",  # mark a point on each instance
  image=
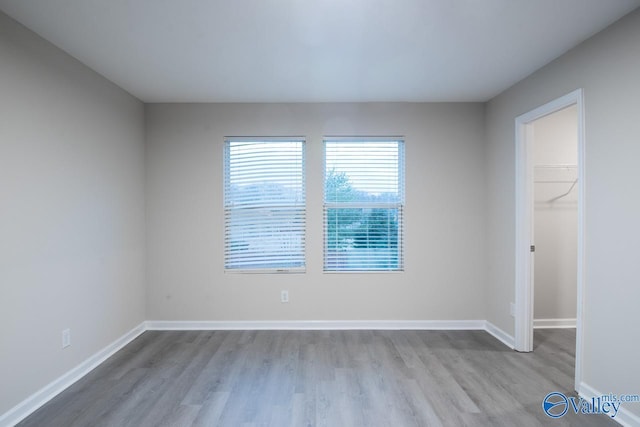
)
(321, 378)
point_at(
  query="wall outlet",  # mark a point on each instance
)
(512, 309)
(66, 338)
(284, 296)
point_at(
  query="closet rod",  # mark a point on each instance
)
(560, 166)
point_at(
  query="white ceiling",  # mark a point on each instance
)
(315, 50)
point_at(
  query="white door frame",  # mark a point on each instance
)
(524, 223)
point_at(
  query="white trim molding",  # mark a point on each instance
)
(51, 390)
(624, 416)
(165, 325)
(554, 323)
(524, 260)
(500, 335)
(310, 325)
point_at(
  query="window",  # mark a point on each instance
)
(264, 202)
(363, 204)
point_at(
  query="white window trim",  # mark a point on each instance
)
(399, 205)
(286, 270)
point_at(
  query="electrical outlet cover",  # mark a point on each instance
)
(66, 338)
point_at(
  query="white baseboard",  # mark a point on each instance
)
(42, 396)
(51, 390)
(35, 401)
(500, 335)
(554, 323)
(164, 325)
(624, 416)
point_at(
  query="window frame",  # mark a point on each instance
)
(226, 209)
(399, 205)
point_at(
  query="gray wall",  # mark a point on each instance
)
(445, 205)
(72, 212)
(72, 243)
(555, 142)
(607, 67)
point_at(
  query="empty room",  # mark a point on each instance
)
(319, 213)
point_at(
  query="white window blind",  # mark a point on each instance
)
(363, 204)
(264, 202)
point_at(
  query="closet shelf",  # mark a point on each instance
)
(559, 173)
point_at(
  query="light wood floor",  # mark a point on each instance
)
(321, 378)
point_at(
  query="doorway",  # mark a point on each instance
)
(526, 174)
(555, 216)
